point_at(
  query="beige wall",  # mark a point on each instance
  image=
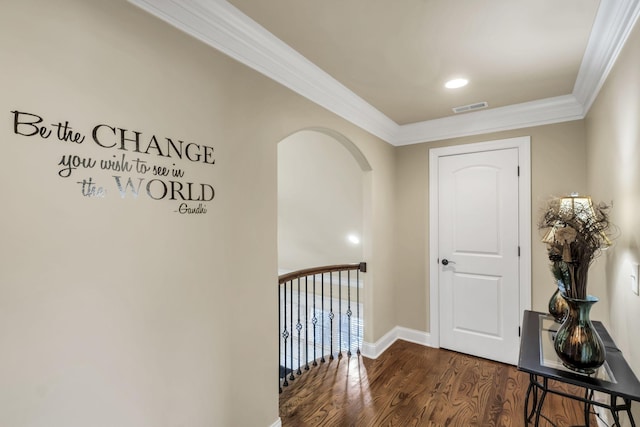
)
(558, 164)
(320, 198)
(120, 311)
(613, 134)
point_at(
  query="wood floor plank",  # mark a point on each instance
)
(413, 385)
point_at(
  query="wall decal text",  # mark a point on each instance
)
(140, 164)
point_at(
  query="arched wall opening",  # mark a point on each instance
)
(323, 200)
(324, 208)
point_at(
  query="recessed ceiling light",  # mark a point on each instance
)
(456, 83)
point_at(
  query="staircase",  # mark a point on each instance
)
(320, 317)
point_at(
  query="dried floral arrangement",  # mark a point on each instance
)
(577, 231)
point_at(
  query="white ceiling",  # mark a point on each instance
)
(382, 64)
(397, 55)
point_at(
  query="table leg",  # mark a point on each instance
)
(615, 410)
(631, 420)
(588, 396)
(528, 415)
(616, 417)
(542, 396)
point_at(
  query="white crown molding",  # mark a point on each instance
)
(222, 26)
(612, 26)
(517, 116)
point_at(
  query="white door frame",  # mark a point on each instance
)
(523, 144)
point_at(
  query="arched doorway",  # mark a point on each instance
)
(323, 203)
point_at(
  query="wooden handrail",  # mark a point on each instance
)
(362, 266)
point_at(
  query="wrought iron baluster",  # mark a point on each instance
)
(291, 377)
(306, 323)
(299, 329)
(314, 321)
(285, 335)
(330, 316)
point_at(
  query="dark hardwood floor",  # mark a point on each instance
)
(413, 385)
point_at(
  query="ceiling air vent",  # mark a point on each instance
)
(470, 107)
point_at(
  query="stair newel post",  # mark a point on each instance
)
(362, 268)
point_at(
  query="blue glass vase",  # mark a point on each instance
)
(577, 343)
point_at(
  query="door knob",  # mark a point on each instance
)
(445, 261)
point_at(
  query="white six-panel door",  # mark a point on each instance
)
(479, 289)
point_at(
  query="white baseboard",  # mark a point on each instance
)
(277, 423)
(414, 336)
(374, 350)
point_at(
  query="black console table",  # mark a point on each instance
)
(538, 358)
